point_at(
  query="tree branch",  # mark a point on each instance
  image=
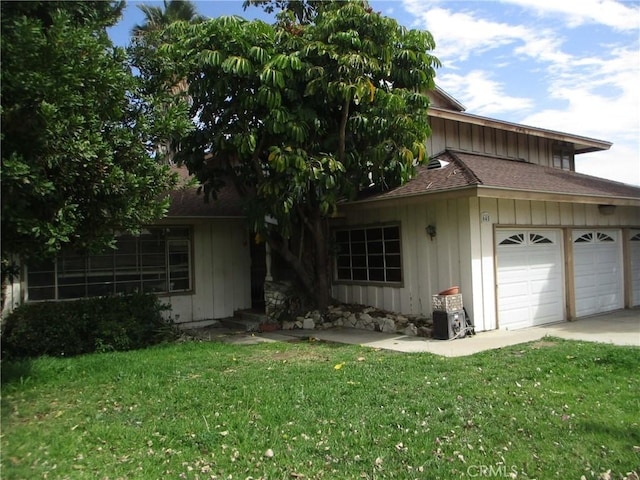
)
(342, 134)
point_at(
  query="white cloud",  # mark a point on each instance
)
(613, 14)
(482, 95)
(459, 35)
(603, 102)
(591, 91)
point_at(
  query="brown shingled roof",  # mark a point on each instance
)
(469, 170)
(187, 203)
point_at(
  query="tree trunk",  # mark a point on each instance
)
(315, 282)
(321, 261)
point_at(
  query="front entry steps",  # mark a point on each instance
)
(245, 320)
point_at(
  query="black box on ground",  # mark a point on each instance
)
(448, 325)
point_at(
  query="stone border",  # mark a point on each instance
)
(363, 317)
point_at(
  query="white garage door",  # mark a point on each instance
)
(530, 278)
(634, 253)
(597, 267)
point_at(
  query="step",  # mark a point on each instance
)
(245, 320)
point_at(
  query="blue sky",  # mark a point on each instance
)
(567, 65)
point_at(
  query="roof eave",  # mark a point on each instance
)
(546, 195)
(581, 144)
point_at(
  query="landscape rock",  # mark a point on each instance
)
(410, 330)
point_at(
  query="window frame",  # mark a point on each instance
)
(365, 256)
(106, 273)
(561, 152)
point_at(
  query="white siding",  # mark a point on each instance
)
(221, 273)
(487, 140)
(463, 251)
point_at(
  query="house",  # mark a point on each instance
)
(197, 259)
(499, 210)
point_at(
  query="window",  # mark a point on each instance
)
(369, 255)
(158, 261)
(563, 156)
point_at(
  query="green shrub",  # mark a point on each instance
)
(85, 326)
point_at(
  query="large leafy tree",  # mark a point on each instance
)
(147, 38)
(302, 116)
(76, 133)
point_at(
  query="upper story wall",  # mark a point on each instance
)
(456, 135)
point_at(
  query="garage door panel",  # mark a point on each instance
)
(597, 271)
(634, 254)
(530, 278)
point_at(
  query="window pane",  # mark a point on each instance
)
(42, 293)
(344, 261)
(72, 291)
(392, 246)
(126, 262)
(392, 233)
(358, 248)
(99, 289)
(374, 234)
(374, 247)
(376, 275)
(41, 279)
(101, 262)
(376, 261)
(357, 236)
(359, 261)
(359, 274)
(393, 261)
(128, 287)
(394, 275)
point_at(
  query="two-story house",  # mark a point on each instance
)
(499, 211)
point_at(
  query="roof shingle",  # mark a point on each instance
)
(468, 169)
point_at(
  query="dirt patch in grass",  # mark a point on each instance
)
(294, 355)
(543, 344)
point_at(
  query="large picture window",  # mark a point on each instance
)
(158, 261)
(368, 254)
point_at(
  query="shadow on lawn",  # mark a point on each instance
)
(14, 371)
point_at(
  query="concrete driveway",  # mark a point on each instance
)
(619, 328)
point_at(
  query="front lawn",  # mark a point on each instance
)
(550, 409)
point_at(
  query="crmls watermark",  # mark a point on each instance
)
(492, 471)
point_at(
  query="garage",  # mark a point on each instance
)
(529, 277)
(634, 254)
(597, 267)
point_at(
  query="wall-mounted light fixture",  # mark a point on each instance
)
(607, 209)
(431, 231)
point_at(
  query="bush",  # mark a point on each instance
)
(84, 326)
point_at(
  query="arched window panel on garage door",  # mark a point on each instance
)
(509, 237)
(594, 236)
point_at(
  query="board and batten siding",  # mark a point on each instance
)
(450, 134)
(428, 266)
(221, 273)
(463, 250)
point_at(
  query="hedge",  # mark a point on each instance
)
(84, 326)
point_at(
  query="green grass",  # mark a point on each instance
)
(551, 409)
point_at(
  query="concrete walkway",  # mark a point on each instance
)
(619, 328)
